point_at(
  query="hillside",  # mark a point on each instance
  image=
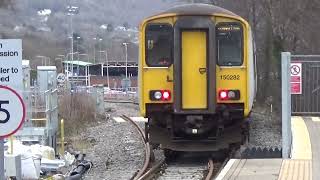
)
(44, 26)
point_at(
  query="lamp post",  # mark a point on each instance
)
(71, 11)
(107, 62)
(94, 50)
(100, 40)
(126, 48)
(78, 39)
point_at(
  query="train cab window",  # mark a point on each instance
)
(159, 45)
(229, 44)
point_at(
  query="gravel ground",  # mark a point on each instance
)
(265, 129)
(117, 150)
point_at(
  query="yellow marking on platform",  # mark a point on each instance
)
(136, 119)
(301, 146)
(295, 170)
(315, 119)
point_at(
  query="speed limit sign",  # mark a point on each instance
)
(12, 111)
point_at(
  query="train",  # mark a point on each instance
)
(197, 78)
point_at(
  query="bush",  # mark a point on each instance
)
(77, 110)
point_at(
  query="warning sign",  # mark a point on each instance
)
(296, 78)
(12, 111)
(11, 63)
(12, 108)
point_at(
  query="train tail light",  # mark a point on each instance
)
(166, 95)
(229, 95)
(160, 95)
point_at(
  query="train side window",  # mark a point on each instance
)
(229, 44)
(159, 45)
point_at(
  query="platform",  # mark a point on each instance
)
(303, 165)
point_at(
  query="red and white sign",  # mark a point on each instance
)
(12, 108)
(12, 111)
(296, 78)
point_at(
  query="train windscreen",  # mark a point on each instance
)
(159, 45)
(229, 44)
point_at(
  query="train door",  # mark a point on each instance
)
(194, 69)
(194, 66)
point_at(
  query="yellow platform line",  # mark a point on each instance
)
(296, 170)
(315, 119)
(301, 146)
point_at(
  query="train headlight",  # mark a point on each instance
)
(157, 95)
(229, 95)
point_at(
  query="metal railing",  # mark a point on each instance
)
(308, 102)
(42, 116)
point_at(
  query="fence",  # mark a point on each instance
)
(303, 99)
(42, 117)
(308, 102)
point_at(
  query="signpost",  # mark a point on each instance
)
(12, 108)
(296, 78)
(61, 78)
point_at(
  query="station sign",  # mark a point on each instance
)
(12, 108)
(296, 78)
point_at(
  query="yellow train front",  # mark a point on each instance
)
(196, 78)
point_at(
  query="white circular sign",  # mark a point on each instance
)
(12, 111)
(61, 78)
(295, 70)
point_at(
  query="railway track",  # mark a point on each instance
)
(181, 168)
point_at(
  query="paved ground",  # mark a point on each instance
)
(313, 124)
(303, 165)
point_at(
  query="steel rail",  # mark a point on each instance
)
(151, 172)
(146, 145)
(211, 168)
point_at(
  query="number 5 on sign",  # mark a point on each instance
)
(6, 112)
(12, 111)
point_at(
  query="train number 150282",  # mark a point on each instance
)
(230, 77)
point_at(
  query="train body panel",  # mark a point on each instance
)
(196, 76)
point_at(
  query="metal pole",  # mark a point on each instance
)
(1, 158)
(100, 50)
(286, 105)
(126, 46)
(71, 48)
(94, 52)
(107, 69)
(86, 70)
(62, 137)
(102, 69)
